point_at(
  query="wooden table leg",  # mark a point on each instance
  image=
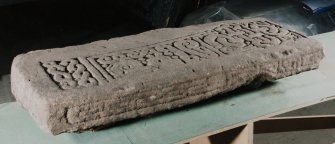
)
(246, 136)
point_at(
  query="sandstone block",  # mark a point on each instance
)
(86, 86)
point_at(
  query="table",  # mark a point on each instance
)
(193, 124)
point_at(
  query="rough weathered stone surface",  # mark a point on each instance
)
(81, 87)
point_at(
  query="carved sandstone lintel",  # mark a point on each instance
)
(81, 87)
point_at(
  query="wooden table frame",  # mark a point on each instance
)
(244, 134)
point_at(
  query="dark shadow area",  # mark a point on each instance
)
(290, 14)
(226, 137)
(49, 24)
(5, 92)
(215, 99)
(163, 13)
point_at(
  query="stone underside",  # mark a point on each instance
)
(81, 87)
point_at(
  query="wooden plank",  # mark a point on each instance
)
(284, 124)
(203, 119)
(201, 140)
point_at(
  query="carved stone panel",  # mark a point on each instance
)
(219, 41)
(80, 87)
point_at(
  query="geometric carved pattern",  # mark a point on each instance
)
(70, 74)
(219, 41)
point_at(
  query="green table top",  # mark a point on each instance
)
(17, 127)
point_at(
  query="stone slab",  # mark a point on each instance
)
(82, 87)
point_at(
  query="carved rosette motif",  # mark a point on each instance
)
(216, 42)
